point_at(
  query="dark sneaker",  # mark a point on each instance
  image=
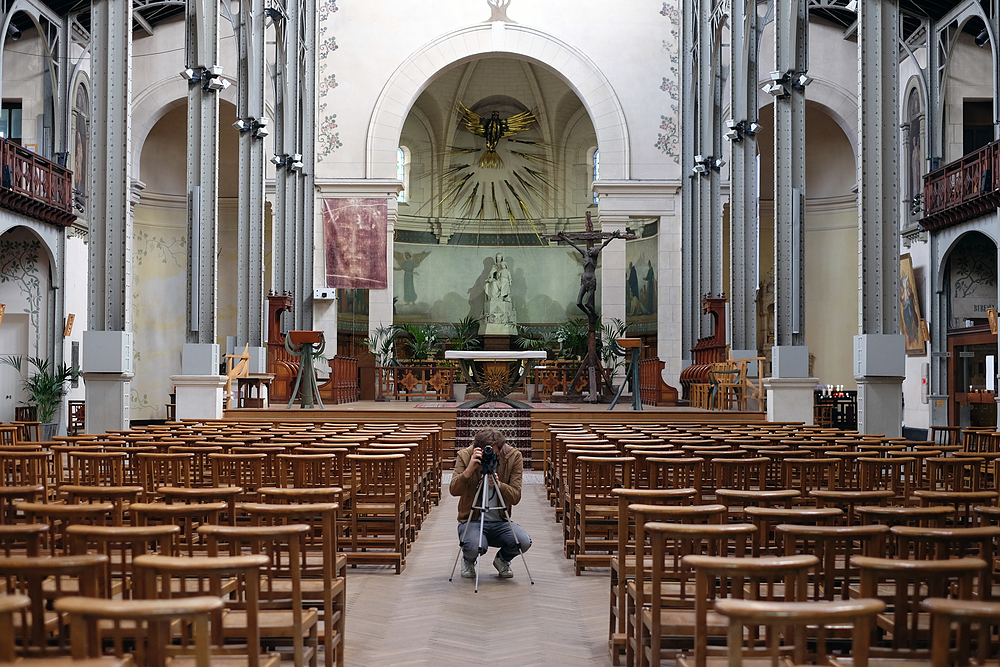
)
(503, 567)
(468, 569)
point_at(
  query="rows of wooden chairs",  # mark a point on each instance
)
(690, 518)
(244, 531)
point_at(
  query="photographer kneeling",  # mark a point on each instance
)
(497, 531)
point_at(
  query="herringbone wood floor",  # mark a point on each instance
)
(420, 618)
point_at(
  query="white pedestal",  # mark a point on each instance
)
(880, 405)
(108, 398)
(790, 399)
(199, 396)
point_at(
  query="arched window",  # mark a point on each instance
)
(595, 168)
(403, 171)
(915, 187)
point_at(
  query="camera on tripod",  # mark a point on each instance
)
(488, 460)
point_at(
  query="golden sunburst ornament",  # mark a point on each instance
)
(495, 379)
(507, 181)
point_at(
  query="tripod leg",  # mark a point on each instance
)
(506, 515)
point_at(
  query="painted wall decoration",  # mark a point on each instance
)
(641, 283)
(328, 139)
(973, 279)
(159, 288)
(449, 282)
(355, 233)
(909, 309)
(668, 139)
(21, 268)
(80, 133)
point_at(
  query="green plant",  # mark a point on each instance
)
(572, 337)
(46, 385)
(529, 338)
(607, 346)
(382, 344)
(422, 340)
(465, 334)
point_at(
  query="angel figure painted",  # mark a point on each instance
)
(408, 264)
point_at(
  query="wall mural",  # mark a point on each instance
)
(328, 138)
(159, 290)
(449, 283)
(973, 279)
(19, 266)
(640, 284)
(668, 141)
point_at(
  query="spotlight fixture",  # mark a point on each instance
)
(701, 164)
(295, 162)
(852, 6)
(734, 131)
(242, 125)
(752, 128)
(274, 14)
(278, 161)
(79, 200)
(801, 80)
(192, 75)
(211, 77)
(983, 38)
(716, 163)
(13, 33)
(260, 128)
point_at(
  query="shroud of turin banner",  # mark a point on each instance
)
(355, 233)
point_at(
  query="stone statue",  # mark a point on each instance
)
(499, 315)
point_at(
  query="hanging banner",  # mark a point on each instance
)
(355, 233)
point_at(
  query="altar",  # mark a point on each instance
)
(494, 374)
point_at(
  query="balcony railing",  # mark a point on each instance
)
(34, 186)
(961, 190)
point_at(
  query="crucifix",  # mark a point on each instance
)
(585, 298)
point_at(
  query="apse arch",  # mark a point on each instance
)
(496, 39)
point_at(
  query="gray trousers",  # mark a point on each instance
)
(495, 534)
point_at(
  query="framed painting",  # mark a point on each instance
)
(909, 309)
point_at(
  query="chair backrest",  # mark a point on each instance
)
(677, 473)
(244, 470)
(168, 577)
(156, 470)
(945, 613)
(121, 544)
(9, 606)
(146, 623)
(834, 546)
(42, 579)
(90, 468)
(800, 625)
(187, 517)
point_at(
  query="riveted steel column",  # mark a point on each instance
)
(879, 349)
(743, 181)
(691, 291)
(107, 355)
(307, 186)
(791, 61)
(251, 308)
(202, 26)
(709, 139)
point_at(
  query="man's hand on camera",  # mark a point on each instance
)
(474, 463)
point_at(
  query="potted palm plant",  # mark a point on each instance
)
(464, 336)
(46, 387)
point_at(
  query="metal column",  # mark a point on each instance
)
(250, 265)
(788, 82)
(879, 349)
(307, 139)
(691, 292)
(742, 129)
(107, 342)
(202, 25)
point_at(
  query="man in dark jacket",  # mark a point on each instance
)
(497, 531)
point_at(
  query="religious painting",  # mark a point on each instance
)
(355, 232)
(407, 263)
(640, 282)
(909, 309)
(972, 280)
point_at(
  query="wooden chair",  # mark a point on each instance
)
(77, 417)
(896, 474)
(43, 579)
(848, 499)
(170, 577)
(954, 473)
(904, 584)
(242, 471)
(201, 464)
(323, 568)
(623, 561)
(945, 543)
(157, 470)
(766, 520)
(661, 598)
(144, 626)
(281, 617)
(801, 625)
(187, 517)
(9, 606)
(805, 475)
(377, 516)
(677, 473)
(834, 546)
(121, 544)
(596, 513)
(944, 613)
(23, 476)
(59, 517)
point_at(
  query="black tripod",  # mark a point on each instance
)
(483, 505)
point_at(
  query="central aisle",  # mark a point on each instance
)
(420, 618)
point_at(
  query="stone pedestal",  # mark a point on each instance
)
(108, 398)
(880, 405)
(199, 396)
(790, 399)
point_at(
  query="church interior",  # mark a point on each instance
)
(724, 274)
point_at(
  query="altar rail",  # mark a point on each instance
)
(555, 377)
(424, 381)
(963, 189)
